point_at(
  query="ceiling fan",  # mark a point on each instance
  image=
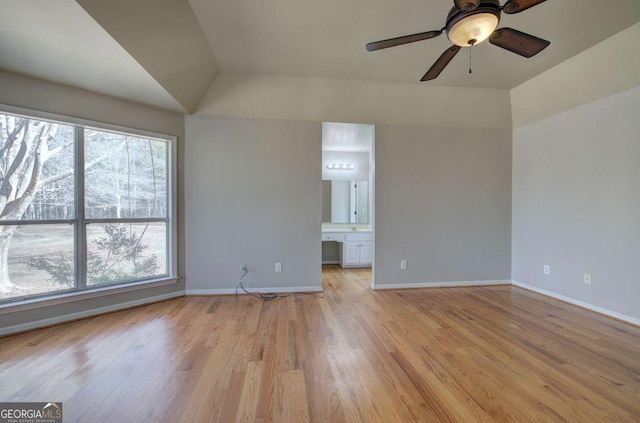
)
(470, 22)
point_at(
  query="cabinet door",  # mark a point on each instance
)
(351, 253)
(366, 252)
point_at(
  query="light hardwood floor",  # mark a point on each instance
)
(429, 355)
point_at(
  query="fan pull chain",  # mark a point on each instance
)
(470, 58)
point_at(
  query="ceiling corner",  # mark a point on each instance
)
(165, 38)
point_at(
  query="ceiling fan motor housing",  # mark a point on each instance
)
(469, 28)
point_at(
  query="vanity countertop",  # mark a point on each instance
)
(345, 230)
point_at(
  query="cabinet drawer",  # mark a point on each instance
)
(358, 236)
(333, 236)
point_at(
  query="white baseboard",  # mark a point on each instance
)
(439, 284)
(101, 310)
(277, 290)
(579, 303)
(87, 313)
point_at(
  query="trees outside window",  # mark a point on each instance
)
(80, 207)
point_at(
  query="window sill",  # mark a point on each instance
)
(30, 304)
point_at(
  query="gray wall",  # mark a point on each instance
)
(254, 196)
(22, 91)
(576, 203)
(253, 187)
(443, 203)
(326, 201)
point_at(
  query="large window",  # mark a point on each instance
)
(81, 208)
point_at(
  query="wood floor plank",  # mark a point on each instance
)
(476, 354)
(296, 406)
(249, 395)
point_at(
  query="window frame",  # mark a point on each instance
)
(82, 290)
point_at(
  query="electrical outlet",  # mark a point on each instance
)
(403, 264)
(243, 268)
(587, 278)
(278, 267)
(546, 269)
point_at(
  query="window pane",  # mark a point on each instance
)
(125, 176)
(36, 169)
(36, 259)
(126, 251)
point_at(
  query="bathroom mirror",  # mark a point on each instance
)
(345, 201)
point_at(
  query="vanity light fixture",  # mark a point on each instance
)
(340, 166)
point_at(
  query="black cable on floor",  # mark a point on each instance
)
(271, 296)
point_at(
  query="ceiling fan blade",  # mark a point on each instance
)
(466, 5)
(518, 42)
(517, 6)
(406, 39)
(441, 63)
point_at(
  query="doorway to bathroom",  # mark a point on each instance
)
(348, 193)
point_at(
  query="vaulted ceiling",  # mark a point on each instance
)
(167, 53)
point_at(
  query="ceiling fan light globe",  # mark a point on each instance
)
(473, 29)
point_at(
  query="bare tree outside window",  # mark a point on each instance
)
(36, 184)
(124, 217)
(129, 185)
